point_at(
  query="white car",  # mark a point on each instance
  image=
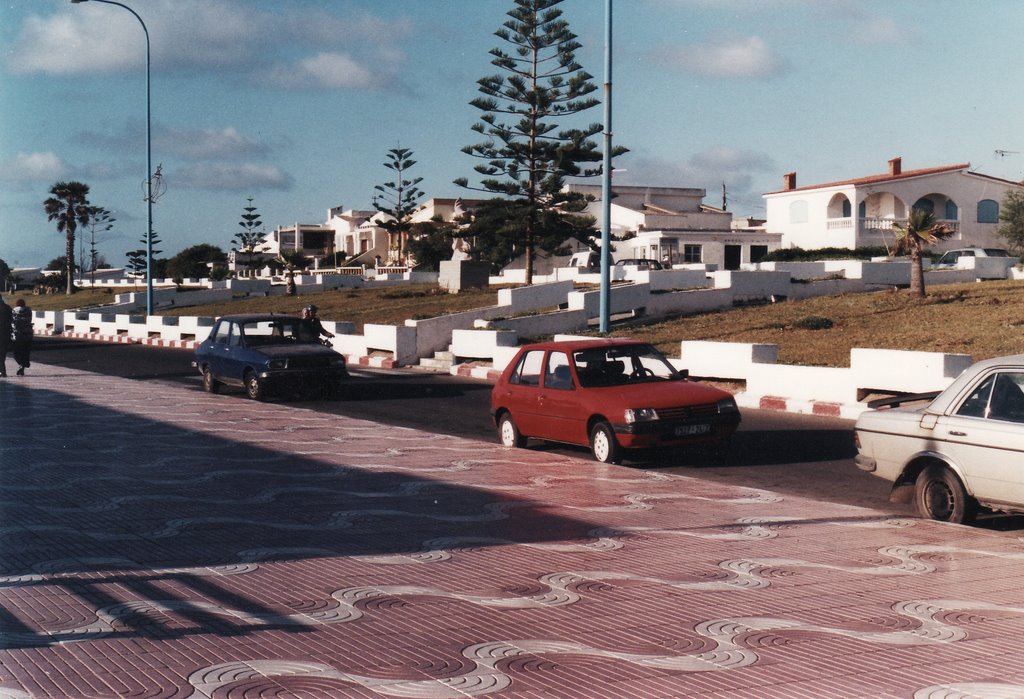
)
(950, 258)
(962, 451)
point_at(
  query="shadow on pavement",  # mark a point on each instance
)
(82, 483)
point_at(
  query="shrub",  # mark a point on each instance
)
(813, 323)
(801, 255)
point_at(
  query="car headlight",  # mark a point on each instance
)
(277, 364)
(640, 415)
(728, 405)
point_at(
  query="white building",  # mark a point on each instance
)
(672, 224)
(822, 216)
(357, 233)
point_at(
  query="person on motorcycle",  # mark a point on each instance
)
(311, 328)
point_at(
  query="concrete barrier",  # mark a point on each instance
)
(752, 286)
(904, 371)
(481, 344)
(398, 340)
(529, 298)
(622, 299)
(807, 383)
(675, 279)
(724, 360)
(543, 324)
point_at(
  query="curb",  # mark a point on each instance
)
(373, 362)
(176, 344)
(846, 411)
(118, 339)
(125, 340)
(476, 372)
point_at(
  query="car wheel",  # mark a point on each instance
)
(603, 444)
(939, 495)
(508, 433)
(210, 384)
(254, 387)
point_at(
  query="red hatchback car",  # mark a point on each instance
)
(612, 395)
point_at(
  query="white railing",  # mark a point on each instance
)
(874, 224)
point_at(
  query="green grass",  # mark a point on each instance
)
(983, 320)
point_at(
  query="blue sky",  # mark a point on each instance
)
(296, 103)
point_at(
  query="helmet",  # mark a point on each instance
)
(311, 308)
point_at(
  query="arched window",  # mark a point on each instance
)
(988, 211)
(862, 209)
(847, 208)
(925, 205)
(798, 212)
(952, 212)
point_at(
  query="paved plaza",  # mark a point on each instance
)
(157, 541)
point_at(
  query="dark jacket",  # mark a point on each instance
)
(5, 323)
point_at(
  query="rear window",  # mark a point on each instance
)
(271, 332)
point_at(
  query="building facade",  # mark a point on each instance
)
(861, 212)
(673, 225)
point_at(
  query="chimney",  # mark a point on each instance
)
(896, 166)
(789, 181)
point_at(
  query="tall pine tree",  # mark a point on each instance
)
(251, 239)
(398, 200)
(527, 157)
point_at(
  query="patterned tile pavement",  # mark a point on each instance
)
(160, 542)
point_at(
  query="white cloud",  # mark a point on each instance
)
(208, 144)
(197, 35)
(229, 177)
(730, 57)
(708, 169)
(324, 71)
(34, 167)
(880, 30)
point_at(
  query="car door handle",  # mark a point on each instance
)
(957, 433)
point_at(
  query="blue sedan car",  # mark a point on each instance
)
(268, 353)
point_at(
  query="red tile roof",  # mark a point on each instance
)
(875, 179)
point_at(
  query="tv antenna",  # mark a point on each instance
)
(1004, 153)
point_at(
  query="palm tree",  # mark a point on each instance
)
(68, 205)
(920, 231)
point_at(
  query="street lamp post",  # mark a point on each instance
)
(149, 161)
(606, 181)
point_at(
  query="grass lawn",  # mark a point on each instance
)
(981, 319)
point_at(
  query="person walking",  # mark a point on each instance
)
(5, 335)
(21, 335)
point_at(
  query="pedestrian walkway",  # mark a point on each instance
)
(157, 541)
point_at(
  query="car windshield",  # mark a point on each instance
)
(275, 331)
(617, 365)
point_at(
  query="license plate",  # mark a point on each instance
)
(690, 430)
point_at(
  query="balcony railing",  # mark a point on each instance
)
(879, 226)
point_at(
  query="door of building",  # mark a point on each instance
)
(733, 256)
